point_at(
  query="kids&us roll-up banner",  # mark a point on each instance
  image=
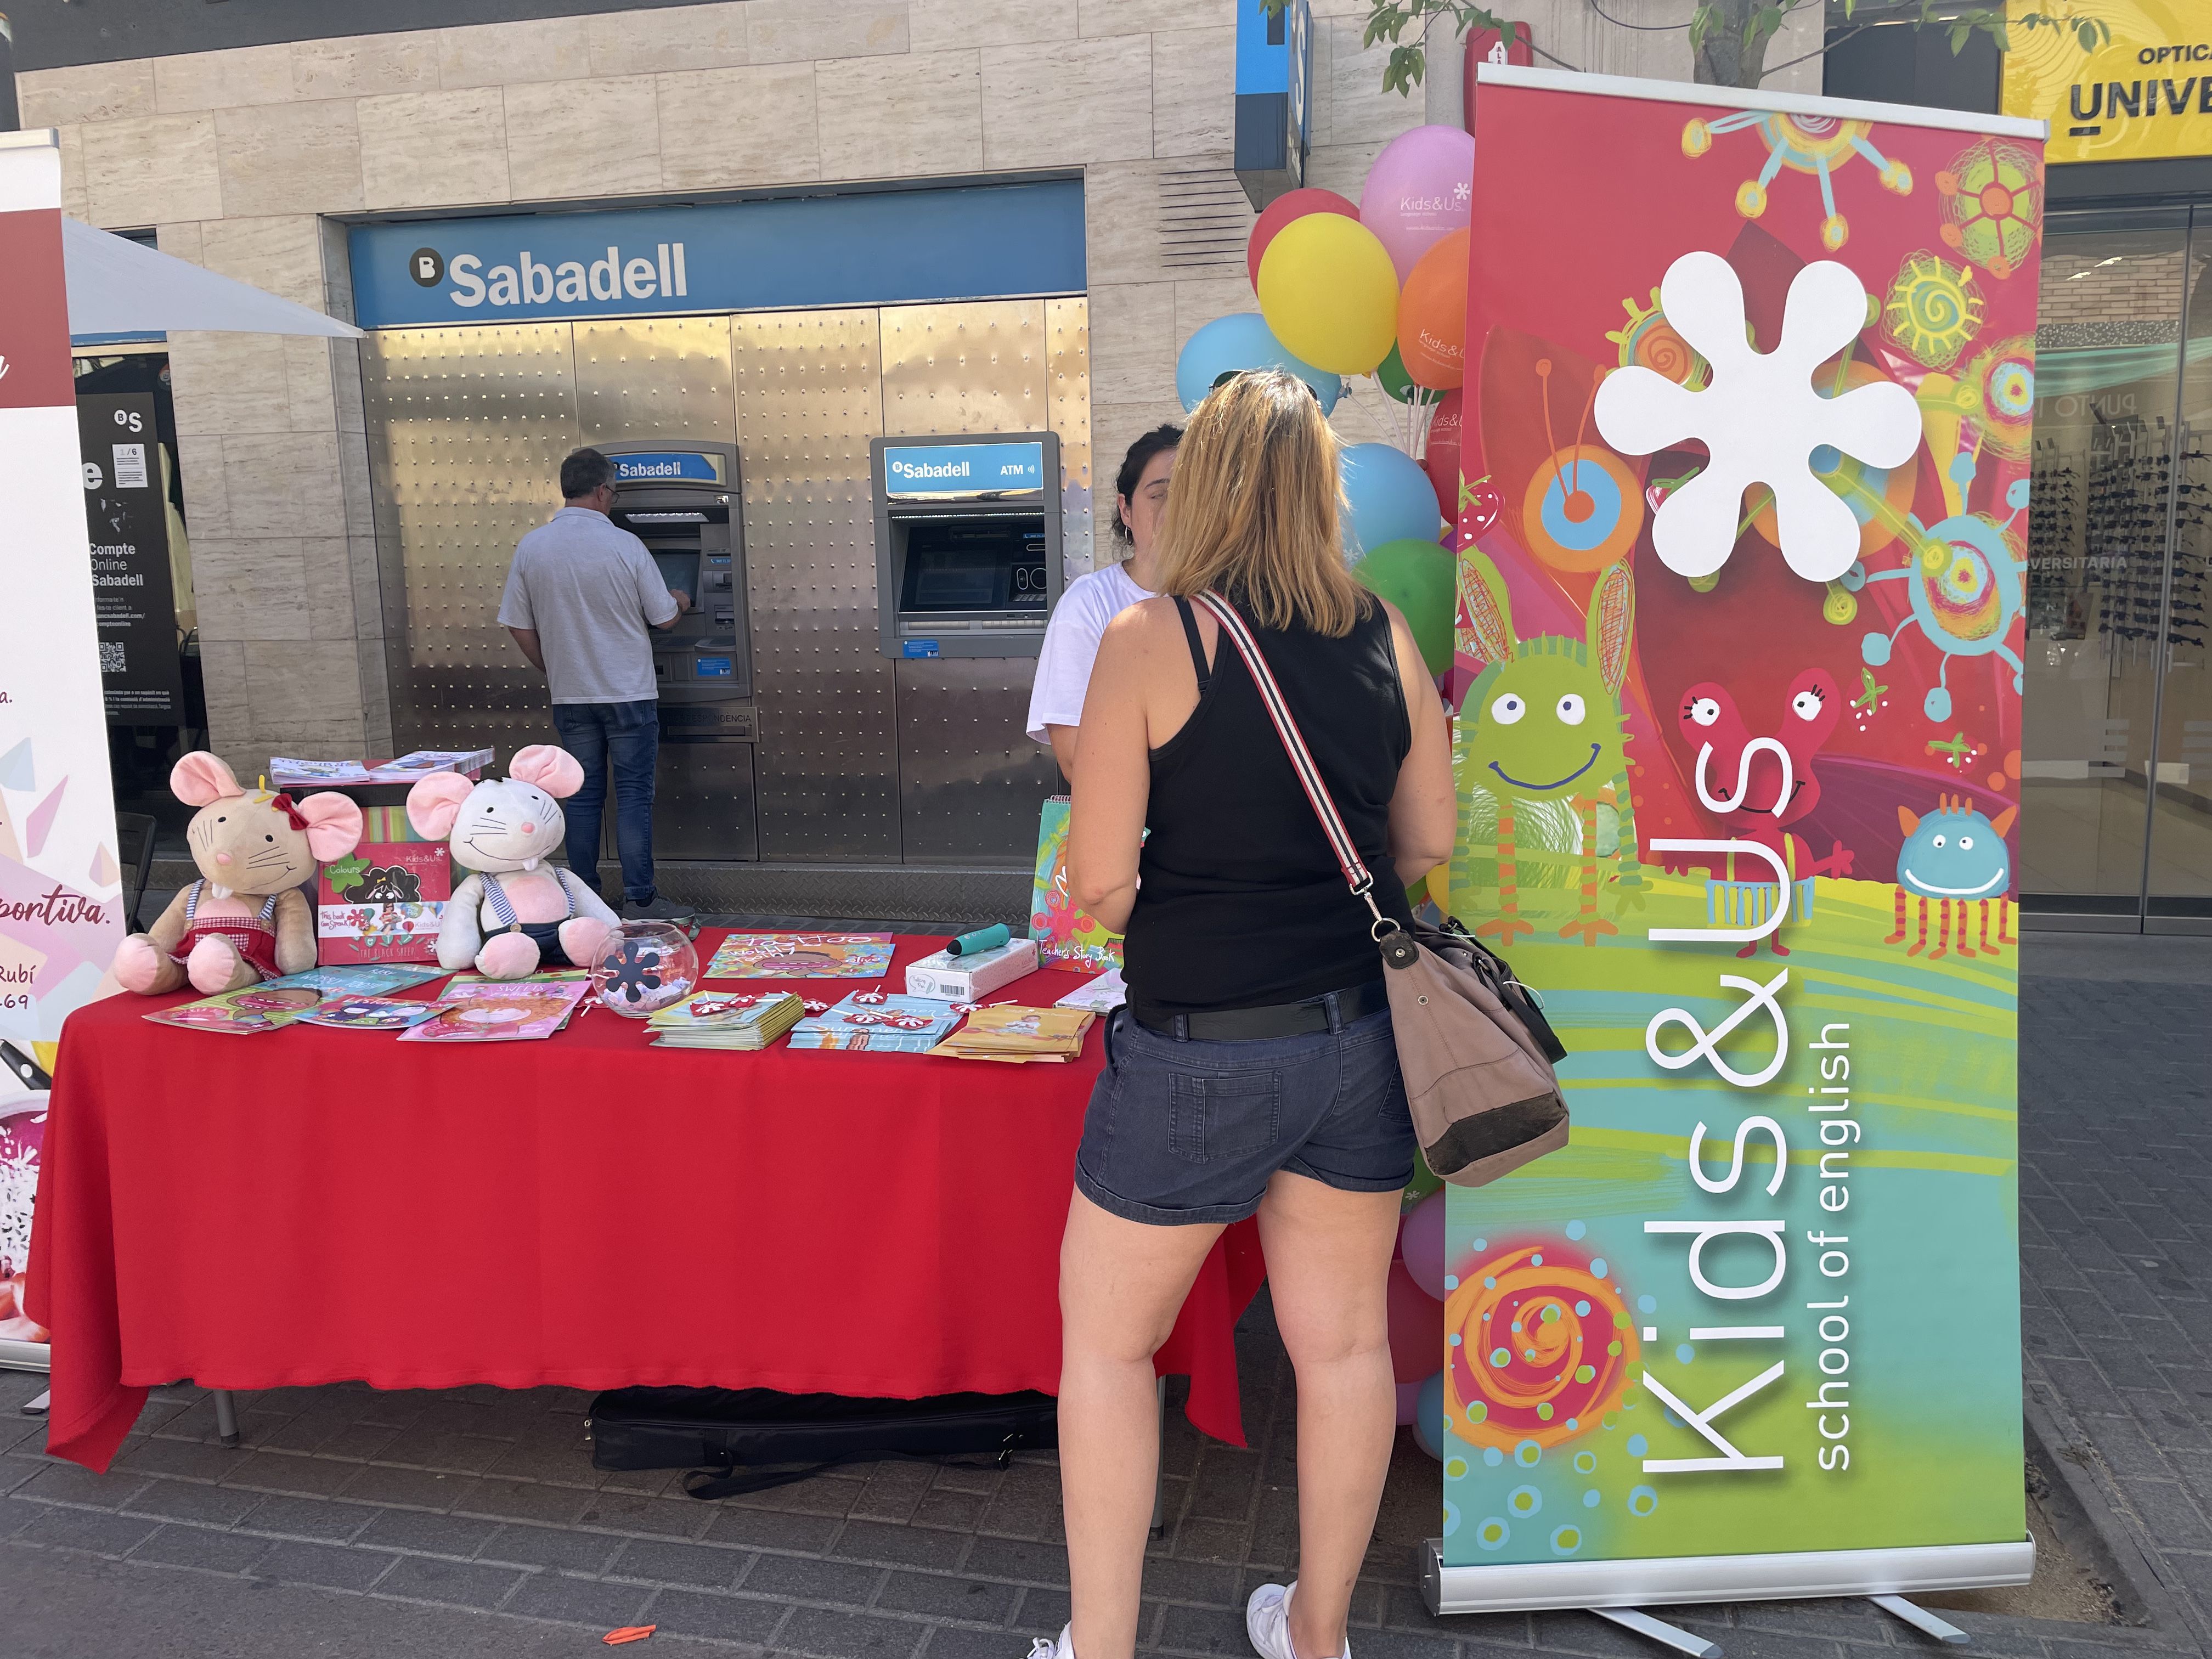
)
(1741, 537)
(59, 916)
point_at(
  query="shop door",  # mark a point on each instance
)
(2111, 834)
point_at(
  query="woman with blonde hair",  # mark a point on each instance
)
(1253, 1070)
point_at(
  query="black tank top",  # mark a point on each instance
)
(1241, 903)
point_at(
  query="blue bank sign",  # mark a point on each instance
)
(641, 467)
(963, 470)
(985, 241)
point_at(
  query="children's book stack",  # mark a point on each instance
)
(275, 1003)
(1008, 1031)
(473, 1009)
(724, 1019)
(802, 956)
(873, 1019)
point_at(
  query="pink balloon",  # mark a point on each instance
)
(1421, 1242)
(1420, 190)
(1417, 1327)
(1409, 1402)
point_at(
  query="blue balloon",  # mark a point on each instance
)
(1390, 500)
(1229, 345)
(1429, 1418)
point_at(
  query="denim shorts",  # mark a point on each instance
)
(1181, 1131)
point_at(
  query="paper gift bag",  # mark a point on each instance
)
(385, 900)
(1065, 937)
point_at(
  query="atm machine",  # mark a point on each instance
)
(968, 533)
(685, 500)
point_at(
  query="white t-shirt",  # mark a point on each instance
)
(1071, 646)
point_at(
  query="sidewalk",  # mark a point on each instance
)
(470, 1521)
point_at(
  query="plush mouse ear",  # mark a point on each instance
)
(200, 778)
(333, 825)
(553, 769)
(435, 801)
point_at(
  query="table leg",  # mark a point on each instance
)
(1159, 1468)
(226, 1417)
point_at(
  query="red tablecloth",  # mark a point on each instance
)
(312, 1206)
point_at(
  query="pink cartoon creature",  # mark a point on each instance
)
(514, 913)
(245, 919)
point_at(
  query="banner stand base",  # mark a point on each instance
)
(36, 1405)
(1659, 1630)
(1618, 1590)
(1923, 1620)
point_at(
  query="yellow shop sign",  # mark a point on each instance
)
(2147, 91)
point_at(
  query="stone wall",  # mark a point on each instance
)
(244, 161)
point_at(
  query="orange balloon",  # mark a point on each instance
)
(1432, 316)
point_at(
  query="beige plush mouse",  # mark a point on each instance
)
(245, 919)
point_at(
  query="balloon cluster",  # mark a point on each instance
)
(1375, 289)
(1415, 1307)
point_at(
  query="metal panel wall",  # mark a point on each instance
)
(809, 399)
(970, 782)
(1068, 370)
(668, 377)
(467, 430)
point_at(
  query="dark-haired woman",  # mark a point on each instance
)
(1071, 638)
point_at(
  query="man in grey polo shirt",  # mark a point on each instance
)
(579, 597)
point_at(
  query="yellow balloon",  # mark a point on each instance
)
(1329, 292)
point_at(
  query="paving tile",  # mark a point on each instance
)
(426, 1534)
(1018, 1562)
(307, 1517)
(94, 1531)
(724, 1618)
(950, 1511)
(288, 1472)
(183, 1460)
(800, 1578)
(328, 1564)
(942, 1595)
(523, 1500)
(201, 1548)
(552, 1546)
(591, 1601)
(804, 1534)
(658, 1561)
(911, 1547)
(657, 1517)
(463, 1583)
(176, 1500)
(420, 1489)
(1212, 1630)
(59, 1482)
(818, 1631)
(953, 1642)
(1041, 1611)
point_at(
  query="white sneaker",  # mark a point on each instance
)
(1268, 1622)
(1063, 1649)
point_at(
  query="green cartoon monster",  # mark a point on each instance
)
(1541, 756)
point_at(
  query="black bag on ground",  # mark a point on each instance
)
(734, 1440)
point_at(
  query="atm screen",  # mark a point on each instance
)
(976, 564)
(679, 574)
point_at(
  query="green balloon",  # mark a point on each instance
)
(1390, 373)
(1418, 579)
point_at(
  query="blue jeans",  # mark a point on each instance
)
(624, 737)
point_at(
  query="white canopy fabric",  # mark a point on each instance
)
(119, 287)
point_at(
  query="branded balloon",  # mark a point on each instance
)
(1391, 374)
(1328, 290)
(1229, 345)
(1432, 316)
(1420, 579)
(1421, 1237)
(1293, 205)
(1429, 1417)
(1420, 190)
(1441, 460)
(1389, 499)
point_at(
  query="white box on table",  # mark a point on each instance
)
(948, 978)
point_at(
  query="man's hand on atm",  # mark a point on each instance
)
(683, 607)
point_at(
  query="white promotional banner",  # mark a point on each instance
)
(60, 914)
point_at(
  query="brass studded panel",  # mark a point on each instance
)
(1067, 396)
(467, 427)
(809, 399)
(666, 378)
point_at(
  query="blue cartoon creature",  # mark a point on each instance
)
(1955, 855)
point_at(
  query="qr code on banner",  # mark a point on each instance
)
(111, 657)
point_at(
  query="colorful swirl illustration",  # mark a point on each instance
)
(1934, 308)
(2002, 380)
(1541, 1347)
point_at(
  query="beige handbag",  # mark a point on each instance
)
(1475, 1050)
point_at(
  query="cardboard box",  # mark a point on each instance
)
(947, 978)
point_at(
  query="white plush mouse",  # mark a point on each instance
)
(514, 913)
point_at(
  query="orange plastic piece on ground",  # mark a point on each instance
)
(615, 1638)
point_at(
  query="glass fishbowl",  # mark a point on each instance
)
(643, 967)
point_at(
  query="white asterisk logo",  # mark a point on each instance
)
(1760, 419)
